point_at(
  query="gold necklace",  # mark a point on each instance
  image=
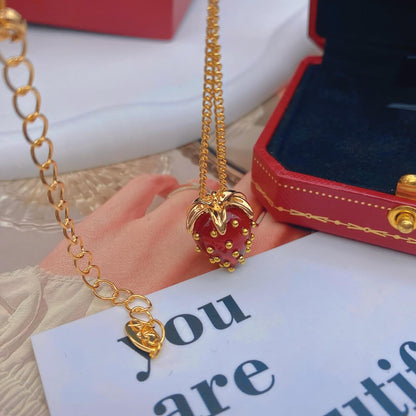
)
(220, 222)
(208, 216)
(145, 332)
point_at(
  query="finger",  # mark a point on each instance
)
(190, 190)
(178, 203)
(270, 234)
(130, 203)
(244, 186)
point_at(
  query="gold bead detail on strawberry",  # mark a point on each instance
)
(221, 223)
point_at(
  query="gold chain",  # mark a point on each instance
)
(13, 28)
(212, 96)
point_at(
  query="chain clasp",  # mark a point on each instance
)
(144, 335)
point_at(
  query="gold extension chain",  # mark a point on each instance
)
(13, 28)
(212, 96)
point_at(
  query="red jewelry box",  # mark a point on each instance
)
(345, 130)
(157, 19)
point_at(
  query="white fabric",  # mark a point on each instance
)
(31, 301)
(111, 99)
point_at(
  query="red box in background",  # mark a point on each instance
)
(344, 132)
(156, 19)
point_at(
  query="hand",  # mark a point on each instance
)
(145, 252)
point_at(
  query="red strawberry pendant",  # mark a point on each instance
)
(221, 226)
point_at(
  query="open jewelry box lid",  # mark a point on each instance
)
(387, 22)
(352, 116)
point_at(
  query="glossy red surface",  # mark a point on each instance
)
(237, 235)
(157, 19)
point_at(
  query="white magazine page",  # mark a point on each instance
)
(320, 326)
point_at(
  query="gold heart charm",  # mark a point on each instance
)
(144, 335)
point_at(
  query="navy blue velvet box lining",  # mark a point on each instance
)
(352, 119)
